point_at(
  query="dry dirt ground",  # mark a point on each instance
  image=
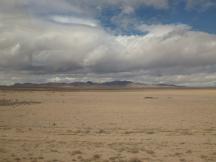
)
(152, 125)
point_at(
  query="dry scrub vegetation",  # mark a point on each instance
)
(108, 126)
(9, 102)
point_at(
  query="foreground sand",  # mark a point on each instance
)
(153, 125)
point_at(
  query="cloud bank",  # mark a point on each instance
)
(76, 47)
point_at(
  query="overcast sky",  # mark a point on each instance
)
(150, 41)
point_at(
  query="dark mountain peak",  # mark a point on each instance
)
(117, 83)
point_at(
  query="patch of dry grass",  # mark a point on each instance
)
(10, 102)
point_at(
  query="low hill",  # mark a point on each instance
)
(88, 85)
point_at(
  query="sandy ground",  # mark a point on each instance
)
(108, 126)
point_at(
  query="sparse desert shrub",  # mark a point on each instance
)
(96, 156)
(135, 160)
(40, 157)
(76, 152)
(149, 151)
(9, 102)
(149, 97)
(100, 131)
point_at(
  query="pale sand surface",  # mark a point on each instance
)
(153, 125)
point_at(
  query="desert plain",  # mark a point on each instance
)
(147, 125)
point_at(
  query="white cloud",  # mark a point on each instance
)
(161, 30)
(72, 48)
(74, 20)
(77, 47)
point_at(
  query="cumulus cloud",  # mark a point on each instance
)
(74, 20)
(85, 49)
(76, 47)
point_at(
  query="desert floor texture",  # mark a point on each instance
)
(150, 125)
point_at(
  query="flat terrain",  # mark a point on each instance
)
(152, 125)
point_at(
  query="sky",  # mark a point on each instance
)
(148, 41)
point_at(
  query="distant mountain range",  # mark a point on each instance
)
(89, 85)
